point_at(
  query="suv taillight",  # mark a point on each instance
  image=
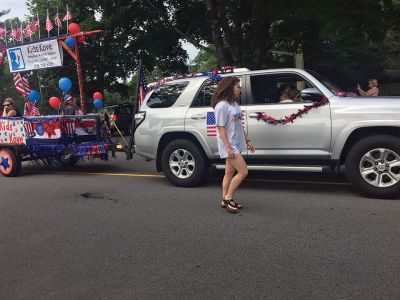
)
(139, 118)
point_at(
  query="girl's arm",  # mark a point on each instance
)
(250, 145)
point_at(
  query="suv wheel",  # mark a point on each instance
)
(183, 163)
(373, 166)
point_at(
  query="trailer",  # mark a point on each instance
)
(64, 139)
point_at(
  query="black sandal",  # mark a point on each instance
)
(237, 205)
(230, 206)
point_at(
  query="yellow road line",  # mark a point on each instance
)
(162, 176)
(103, 174)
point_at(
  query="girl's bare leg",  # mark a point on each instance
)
(240, 166)
(229, 173)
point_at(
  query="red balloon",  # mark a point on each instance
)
(97, 95)
(54, 102)
(73, 28)
(80, 39)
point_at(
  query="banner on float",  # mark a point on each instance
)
(35, 56)
(12, 131)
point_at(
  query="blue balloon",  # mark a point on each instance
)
(69, 41)
(97, 103)
(34, 96)
(65, 84)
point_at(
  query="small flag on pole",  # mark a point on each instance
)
(28, 30)
(142, 86)
(2, 32)
(30, 110)
(57, 21)
(49, 25)
(34, 25)
(21, 84)
(13, 34)
(68, 16)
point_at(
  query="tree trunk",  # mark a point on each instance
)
(231, 33)
(261, 26)
(216, 32)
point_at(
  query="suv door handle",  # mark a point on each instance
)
(253, 115)
(197, 116)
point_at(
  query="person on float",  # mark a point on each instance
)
(70, 108)
(9, 109)
(231, 138)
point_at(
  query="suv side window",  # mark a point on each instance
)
(166, 95)
(204, 96)
(268, 88)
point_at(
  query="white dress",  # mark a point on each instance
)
(230, 116)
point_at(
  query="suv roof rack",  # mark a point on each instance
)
(214, 74)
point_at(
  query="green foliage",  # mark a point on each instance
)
(392, 54)
(339, 38)
(204, 61)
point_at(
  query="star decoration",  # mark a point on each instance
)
(4, 163)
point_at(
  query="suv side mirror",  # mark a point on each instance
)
(311, 94)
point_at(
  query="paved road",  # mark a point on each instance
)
(126, 233)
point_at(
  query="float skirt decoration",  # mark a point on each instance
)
(270, 120)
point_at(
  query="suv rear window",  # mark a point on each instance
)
(204, 96)
(166, 95)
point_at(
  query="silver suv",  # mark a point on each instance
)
(176, 127)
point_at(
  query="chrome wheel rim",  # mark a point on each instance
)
(181, 163)
(380, 167)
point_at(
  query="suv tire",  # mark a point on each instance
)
(373, 166)
(183, 163)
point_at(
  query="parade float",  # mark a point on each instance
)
(64, 139)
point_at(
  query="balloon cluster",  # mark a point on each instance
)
(65, 84)
(98, 99)
(73, 28)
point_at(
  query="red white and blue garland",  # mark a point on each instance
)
(270, 120)
(282, 121)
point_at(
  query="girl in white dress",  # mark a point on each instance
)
(231, 137)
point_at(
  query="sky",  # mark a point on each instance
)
(19, 9)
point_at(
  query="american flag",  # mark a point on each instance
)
(18, 34)
(28, 30)
(212, 124)
(142, 86)
(67, 17)
(30, 110)
(34, 25)
(21, 84)
(2, 32)
(57, 21)
(13, 34)
(49, 25)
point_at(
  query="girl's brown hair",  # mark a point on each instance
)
(224, 91)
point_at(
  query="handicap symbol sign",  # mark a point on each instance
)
(16, 59)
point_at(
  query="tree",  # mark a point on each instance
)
(204, 61)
